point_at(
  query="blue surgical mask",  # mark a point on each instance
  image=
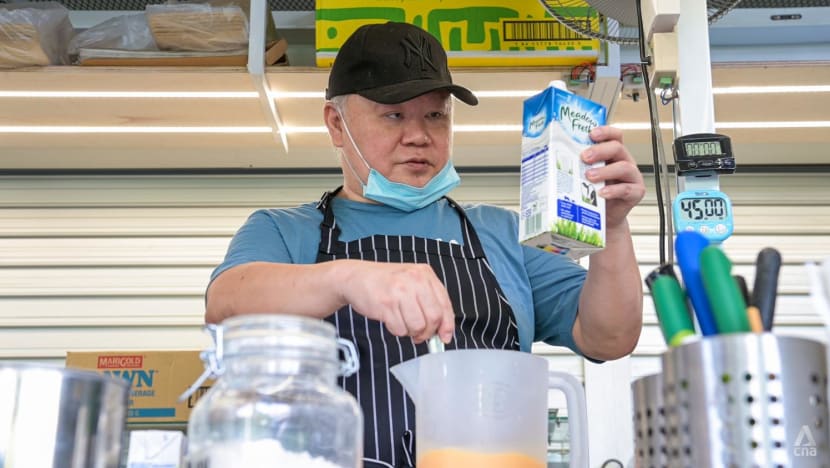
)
(404, 197)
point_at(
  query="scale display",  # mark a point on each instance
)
(703, 153)
(708, 212)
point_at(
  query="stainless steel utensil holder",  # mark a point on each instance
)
(650, 421)
(738, 400)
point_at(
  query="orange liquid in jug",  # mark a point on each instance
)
(454, 458)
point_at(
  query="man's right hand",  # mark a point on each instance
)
(408, 298)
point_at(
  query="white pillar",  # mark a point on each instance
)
(697, 109)
(610, 411)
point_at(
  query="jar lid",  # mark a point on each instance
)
(279, 336)
(279, 333)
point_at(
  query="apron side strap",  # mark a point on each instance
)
(407, 452)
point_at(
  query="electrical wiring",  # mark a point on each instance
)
(656, 141)
(667, 95)
(630, 69)
(582, 68)
(631, 81)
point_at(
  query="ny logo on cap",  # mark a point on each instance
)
(417, 49)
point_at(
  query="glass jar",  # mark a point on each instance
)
(275, 402)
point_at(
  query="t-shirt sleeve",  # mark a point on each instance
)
(556, 282)
(258, 240)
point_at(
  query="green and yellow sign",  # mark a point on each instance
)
(485, 33)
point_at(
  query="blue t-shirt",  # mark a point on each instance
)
(542, 288)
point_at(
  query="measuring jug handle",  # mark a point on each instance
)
(577, 415)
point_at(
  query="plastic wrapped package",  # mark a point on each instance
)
(34, 34)
(185, 34)
(127, 32)
(198, 27)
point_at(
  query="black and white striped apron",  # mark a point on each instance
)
(483, 319)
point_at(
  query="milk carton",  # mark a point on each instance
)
(560, 209)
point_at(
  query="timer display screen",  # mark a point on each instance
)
(700, 149)
(703, 209)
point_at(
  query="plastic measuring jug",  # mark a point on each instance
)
(489, 409)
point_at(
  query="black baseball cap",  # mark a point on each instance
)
(391, 63)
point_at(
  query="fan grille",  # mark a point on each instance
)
(624, 29)
(783, 3)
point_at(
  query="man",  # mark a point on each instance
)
(390, 261)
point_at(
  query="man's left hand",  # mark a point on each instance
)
(624, 186)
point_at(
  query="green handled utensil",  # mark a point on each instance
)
(728, 305)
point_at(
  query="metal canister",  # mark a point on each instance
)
(51, 417)
(650, 448)
(747, 400)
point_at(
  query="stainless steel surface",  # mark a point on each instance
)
(649, 422)
(51, 417)
(747, 400)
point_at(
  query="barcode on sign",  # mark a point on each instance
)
(533, 223)
(542, 31)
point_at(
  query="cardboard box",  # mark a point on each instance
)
(157, 378)
(560, 209)
(475, 33)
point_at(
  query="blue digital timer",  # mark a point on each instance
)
(708, 212)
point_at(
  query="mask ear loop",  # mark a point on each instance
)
(354, 145)
(351, 168)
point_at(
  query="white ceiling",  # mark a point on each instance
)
(262, 150)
